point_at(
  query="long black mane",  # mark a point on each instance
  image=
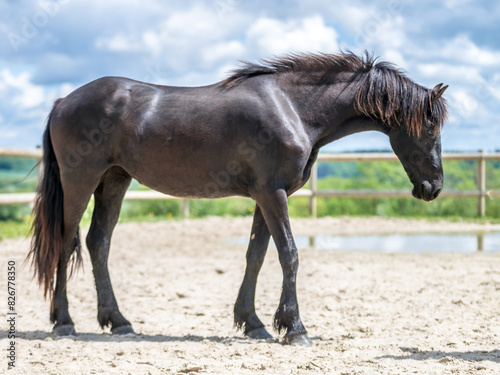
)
(384, 92)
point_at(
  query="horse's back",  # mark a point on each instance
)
(178, 140)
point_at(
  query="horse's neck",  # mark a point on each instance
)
(328, 111)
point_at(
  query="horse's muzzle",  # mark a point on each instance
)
(427, 191)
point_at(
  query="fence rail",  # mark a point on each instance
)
(312, 193)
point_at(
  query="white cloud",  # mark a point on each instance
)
(186, 42)
(65, 89)
(232, 49)
(385, 32)
(19, 90)
(192, 23)
(459, 58)
(396, 57)
(117, 43)
(391, 33)
(194, 27)
(276, 37)
(449, 72)
(197, 42)
(462, 49)
(24, 107)
(463, 102)
(153, 42)
(352, 16)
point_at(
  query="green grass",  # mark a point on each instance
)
(154, 211)
(14, 229)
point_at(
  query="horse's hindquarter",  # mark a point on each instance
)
(177, 142)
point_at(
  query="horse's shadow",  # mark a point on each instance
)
(107, 337)
(419, 355)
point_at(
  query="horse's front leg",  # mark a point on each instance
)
(274, 207)
(244, 308)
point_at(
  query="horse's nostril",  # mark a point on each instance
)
(426, 188)
(436, 193)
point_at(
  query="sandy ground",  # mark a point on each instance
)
(177, 281)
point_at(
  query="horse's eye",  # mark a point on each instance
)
(430, 132)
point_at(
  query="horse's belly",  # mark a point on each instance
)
(193, 184)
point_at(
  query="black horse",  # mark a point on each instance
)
(255, 134)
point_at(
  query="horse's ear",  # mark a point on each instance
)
(437, 91)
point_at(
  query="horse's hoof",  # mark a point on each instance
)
(67, 330)
(298, 340)
(259, 333)
(123, 330)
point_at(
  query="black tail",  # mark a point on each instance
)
(48, 224)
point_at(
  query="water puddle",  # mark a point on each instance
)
(400, 243)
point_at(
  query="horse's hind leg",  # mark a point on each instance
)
(108, 199)
(244, 308)
(75, 203)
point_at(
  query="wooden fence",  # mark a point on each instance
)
(312, 193)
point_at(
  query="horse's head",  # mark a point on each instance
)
(421, 154)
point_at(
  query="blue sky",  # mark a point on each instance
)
(51, 47)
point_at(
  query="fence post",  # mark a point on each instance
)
(481, 184)
(313, 186)
(184, 208)
(480, 241)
